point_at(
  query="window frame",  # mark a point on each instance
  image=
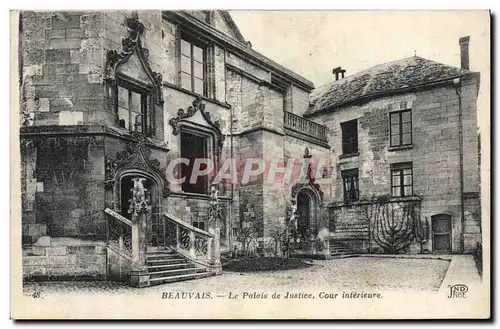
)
(400, 132)
(210, 152)
(351, 177)
(145, 94)
(193, 42)
(398, 169)
(351, 149)
(196, 223)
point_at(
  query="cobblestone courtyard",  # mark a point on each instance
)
(347, 273)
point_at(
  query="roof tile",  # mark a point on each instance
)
(380, 79)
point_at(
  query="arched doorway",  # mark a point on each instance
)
(305, 211)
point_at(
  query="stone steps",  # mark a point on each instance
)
(178, 278)
(166, 266)
(340, 250)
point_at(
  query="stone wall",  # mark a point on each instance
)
(63, 62)
(64, 259)
(300, 100)
(62, 188)
(62, 57)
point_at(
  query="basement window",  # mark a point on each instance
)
(349, 137)
(200, 225)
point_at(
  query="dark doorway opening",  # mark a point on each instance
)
(194, 147)
(304, 208)
(154, 224)
(441, 233)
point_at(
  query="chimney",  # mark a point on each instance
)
(464, 52)
(338, 71)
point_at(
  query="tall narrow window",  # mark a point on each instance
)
(351, 185)
(402, 179)
(401, 128)
(349, 137)
(194, 147)
(193, 67)
(132, 109)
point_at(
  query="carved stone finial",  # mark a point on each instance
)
(307, 154)
(138, 203)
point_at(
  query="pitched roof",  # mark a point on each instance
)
(232, 25)
(380, 79)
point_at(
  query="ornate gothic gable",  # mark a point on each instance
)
(132, 46)
(197, 106)
(137, 156)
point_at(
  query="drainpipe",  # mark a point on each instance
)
(230, 222)
(458, 88)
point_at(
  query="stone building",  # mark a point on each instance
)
(407, 131)
(110, 101)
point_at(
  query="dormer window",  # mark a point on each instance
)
(135, 91)
(133, 108)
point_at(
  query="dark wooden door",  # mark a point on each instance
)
(441, 233)
(304, 210)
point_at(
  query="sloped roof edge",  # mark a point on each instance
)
(383, 79)
(232, 25)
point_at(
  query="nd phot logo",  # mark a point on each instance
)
(458, 291)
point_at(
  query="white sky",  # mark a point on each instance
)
(311, 43)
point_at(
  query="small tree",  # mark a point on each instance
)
(279, 240)
(394, 225)
(245, 236)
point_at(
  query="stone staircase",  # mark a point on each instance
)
(166, 266)
(339, 250)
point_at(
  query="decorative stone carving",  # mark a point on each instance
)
(307, 154)
(197, 105)
(130, 45)
(311, 186)
(138, 203)
(137, 155)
